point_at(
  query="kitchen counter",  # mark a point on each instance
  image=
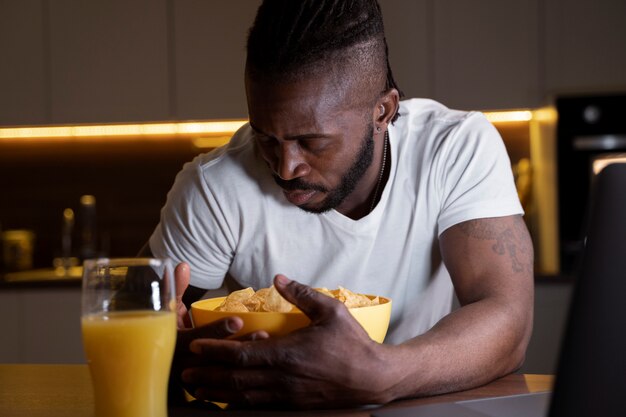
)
(44, 277)
(66, 390)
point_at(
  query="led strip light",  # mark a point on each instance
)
(207, 131)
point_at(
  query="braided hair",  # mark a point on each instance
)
(294, 39)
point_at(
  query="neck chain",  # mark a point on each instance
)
(382, 171)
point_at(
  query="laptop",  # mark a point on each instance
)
(591, 374)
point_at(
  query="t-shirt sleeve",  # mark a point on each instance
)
(476, 180)
(194, 228)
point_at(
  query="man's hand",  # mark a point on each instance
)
(220, 329)
(186, 334)
(332, 362)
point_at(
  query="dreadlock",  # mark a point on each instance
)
(293, 39)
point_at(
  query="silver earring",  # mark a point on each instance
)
(378, 128)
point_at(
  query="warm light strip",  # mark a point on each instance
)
(135, 130)
(545, 114)
(509, 116)
(199, 129)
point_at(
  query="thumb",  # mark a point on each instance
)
(314, 304)
(181, 277)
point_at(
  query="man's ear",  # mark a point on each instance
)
(386, 108)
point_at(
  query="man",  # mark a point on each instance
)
(336, 182)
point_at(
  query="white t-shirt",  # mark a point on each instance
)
(225, 214)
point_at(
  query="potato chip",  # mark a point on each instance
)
(241, 295)
(325, 291)
(262, 293)
(275, 302)
(253, 303)
(257, 301)
(354, 300)
(232, 306)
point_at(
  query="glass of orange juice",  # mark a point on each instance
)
(129, 332)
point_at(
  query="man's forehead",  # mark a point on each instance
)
(297, 111)
(307, 97)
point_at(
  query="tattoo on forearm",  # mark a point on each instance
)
(508, 240)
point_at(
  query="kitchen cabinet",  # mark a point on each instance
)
(68, 61)
(585, 45)
(109, 61)
(408, 27)
(485, 53)
(469, 55)
(209, 55)
(23, 71)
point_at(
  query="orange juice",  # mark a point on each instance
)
(129, 355)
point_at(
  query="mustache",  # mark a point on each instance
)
(297, 184)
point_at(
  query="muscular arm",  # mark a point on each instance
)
(491, 265)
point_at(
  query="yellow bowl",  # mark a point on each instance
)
(374, 319)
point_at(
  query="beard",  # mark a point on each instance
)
(349, 179)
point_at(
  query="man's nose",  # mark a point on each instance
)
(290, 161)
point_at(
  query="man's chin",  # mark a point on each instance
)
(327, 204)
(313, 201)
(300, 197)
(313, 209)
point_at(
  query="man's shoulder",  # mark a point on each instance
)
(430, 123)
(423, 111)
(237, 151)
(429, 134)
(234, 166)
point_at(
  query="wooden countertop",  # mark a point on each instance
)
(65, 390)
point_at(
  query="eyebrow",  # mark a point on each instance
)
(303, 136)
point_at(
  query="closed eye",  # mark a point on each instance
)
(315, 144)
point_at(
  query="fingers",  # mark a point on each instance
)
(314, 304)
(217, 330)
(256, 335)
(254, 387)
(234, 352)
(236, 398)
(215, 377)
(220, 384)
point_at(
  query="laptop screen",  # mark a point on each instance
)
(591, 377)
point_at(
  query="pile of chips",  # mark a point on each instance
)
(246, 300)
(268, 299)
(349, 298)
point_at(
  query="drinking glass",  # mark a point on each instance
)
(129, 332)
